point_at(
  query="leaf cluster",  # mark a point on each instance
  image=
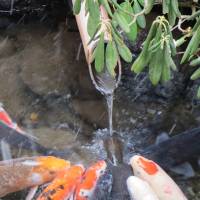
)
(128, 18)
(157, 52)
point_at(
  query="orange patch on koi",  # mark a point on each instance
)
(148, 165)
(49, 166)
(5, 118)
(86, 187)
(63, 185)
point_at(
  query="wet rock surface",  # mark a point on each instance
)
(139, 88)
(49, 69)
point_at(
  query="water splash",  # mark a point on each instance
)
(112, 152)
(110, 146)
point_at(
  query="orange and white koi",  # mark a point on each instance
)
(18, 174)
(163, 185)
(64, 185)
(6, 119)
(86, 188)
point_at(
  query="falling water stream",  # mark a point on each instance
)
(106, 85)
(109, 100)
(111, 145)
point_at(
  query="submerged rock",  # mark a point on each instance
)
(92, 111)
(46, 61)
(191, 93)
(139, 88)
(7, 47)
(14, 93)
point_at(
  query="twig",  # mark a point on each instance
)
(172, 129)
(78, 52)
(11, 6)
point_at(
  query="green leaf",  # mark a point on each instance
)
(195, 75)
(141, 2)
(92, 25)
(171, 41)
(197, 42)
(197, 24)
(155, 42)
(139, 64)
(172, 64)
(126, 6)
(143, 59)
(122, 22)
(192, 46)
(132, 35)
(117, 37)
(195, 62)
(154, 47)
(93, 8)
(174, 5)
(77, 7)
(140, 19)
(150, 36)
(99, 54)
(165, 6)
(155, 67)
(148, 5)
(107, 7)
(168, 57)
(180, 41)
(171, 15)
(124, 52)
(111, 57)
(166, 72)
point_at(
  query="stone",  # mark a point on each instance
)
(46, 62)
(93, 112)
(7, 47)
(191, 92)
(55, 138)
(14, 94)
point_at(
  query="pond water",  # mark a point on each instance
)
(47, 90)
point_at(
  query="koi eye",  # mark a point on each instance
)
(83, 194)
(101, 171)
